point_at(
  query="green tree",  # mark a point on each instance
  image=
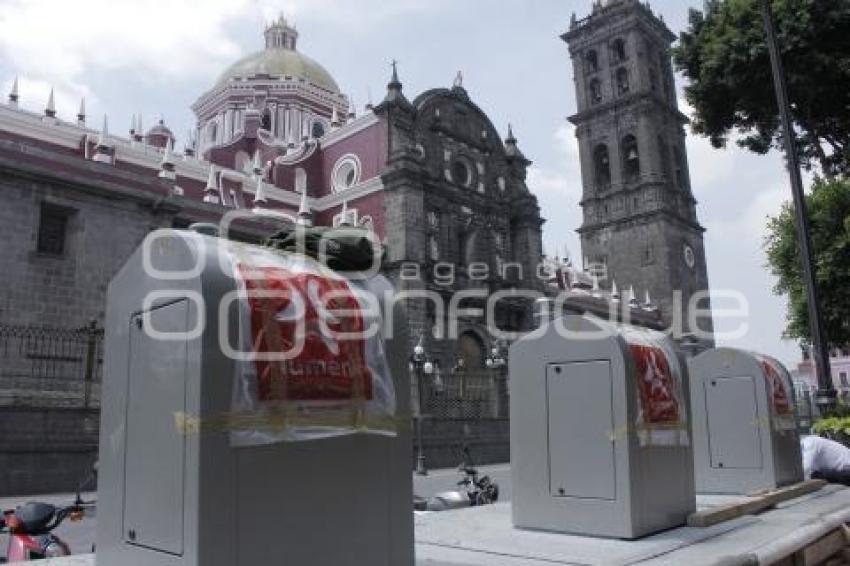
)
(829, 215)
(724, 56)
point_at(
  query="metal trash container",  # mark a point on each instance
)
(176, 489)
(745, 430)
(599, 430)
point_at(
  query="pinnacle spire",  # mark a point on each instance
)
(260, 192)
(50, 110)
(395, 96)
(189, 145)
(633, 302)
(305, 216)
(81, 113)
(13, 94)
(335, 122)
(394, 82)
(369, 104)
(647, 303)
(101, 149)
(343, 220)
(257, 165)
(104, 133)
(511, 149)
(615, 293)
(166, 164)
(211, 192)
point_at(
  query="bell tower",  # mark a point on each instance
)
(639, 226)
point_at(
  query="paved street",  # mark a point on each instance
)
(81, 535)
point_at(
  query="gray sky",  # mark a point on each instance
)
(155, 57)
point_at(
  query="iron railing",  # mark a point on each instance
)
(467, 395)
(50, 367)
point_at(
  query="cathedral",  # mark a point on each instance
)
(429, 175)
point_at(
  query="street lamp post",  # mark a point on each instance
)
(825, 397)
(421, 366)
(495, 360)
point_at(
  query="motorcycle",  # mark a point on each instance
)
(472, 491)
(30, 527)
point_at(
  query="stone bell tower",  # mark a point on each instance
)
(639, 216)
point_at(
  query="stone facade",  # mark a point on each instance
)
(459, 218)
(639, 214)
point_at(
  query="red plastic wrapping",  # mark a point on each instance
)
(310, 362)
(661, 416)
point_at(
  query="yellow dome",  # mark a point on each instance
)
(281, 62)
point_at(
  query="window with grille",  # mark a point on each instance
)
(52, 229)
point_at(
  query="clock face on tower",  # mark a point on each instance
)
(690, 258)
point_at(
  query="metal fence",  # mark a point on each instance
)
(467, 395)
(50, 367)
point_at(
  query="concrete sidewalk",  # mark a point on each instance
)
(80, 536)
(483, 536)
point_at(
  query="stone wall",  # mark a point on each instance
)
(46, 450)
(66, 290)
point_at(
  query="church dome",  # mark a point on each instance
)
(281, 62)
(281, 59)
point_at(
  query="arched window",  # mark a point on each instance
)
(622, 81)
(679, 161)
(595, 91)
(591, 62)
(664, 157)
(602, 166)
(318, 129)
(631, 157)
(266, 121)
(470, 349)
(618, 50)
(461, 173)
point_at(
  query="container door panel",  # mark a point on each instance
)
(580, 429)
(733, 422)
(155, 464)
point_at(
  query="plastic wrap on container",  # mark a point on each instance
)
(781, 392)
(662, 415)
(311, 362)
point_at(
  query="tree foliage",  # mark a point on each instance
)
(829, 216)
(724, 56)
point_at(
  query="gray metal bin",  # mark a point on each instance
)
(745, 436)
(599, 430)
(172, 496)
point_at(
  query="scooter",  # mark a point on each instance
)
(30, 527)
(472, 491)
